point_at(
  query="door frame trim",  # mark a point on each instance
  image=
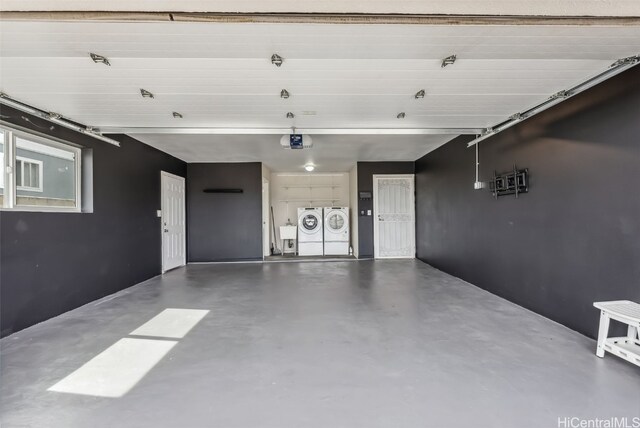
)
(184, 216)
(376, 245)
(266, 221)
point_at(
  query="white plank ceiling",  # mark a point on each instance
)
(339, 76)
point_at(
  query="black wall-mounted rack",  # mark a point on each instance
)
(510, 183)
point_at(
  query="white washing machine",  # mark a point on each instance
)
(336, 231)
(310, 232)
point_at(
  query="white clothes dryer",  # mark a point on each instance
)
(336, 231)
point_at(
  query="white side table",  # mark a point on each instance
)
(627, 347)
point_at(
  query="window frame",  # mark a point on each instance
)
(11, 133)
(2, 155)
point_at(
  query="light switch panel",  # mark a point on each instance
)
(159, 213)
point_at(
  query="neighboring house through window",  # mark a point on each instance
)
(28, 174)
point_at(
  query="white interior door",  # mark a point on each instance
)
(266, 242)
(173, 222)
(394, 216)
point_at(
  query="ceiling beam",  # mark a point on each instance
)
(320, 18)
(280, 131)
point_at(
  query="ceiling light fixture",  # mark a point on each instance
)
(177, 115)
(290, 115)
(419, 94)
(284, 94)
(145, 93)
(448, 61)
(309, 167)
(616, 68)
(276, 60)
(400, 115)
(99, 59)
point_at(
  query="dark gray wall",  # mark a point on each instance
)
(224, 226)
(575, 238)
(51, 263)
(366, 171)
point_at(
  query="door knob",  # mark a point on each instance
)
(166, 230)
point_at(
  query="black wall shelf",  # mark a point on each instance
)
(223, 191)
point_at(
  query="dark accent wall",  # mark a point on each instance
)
(575, 237)
(51, 263)
(366, 171)
(224, 226)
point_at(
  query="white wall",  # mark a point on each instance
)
(290, 191)
(353, 203)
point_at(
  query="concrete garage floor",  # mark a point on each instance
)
(337, 344)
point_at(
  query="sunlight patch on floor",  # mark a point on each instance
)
(171, 323)
(120, 367)
(117, 369)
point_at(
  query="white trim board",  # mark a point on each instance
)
(586, 8)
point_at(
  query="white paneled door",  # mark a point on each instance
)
(394, 216)
(173, 221)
